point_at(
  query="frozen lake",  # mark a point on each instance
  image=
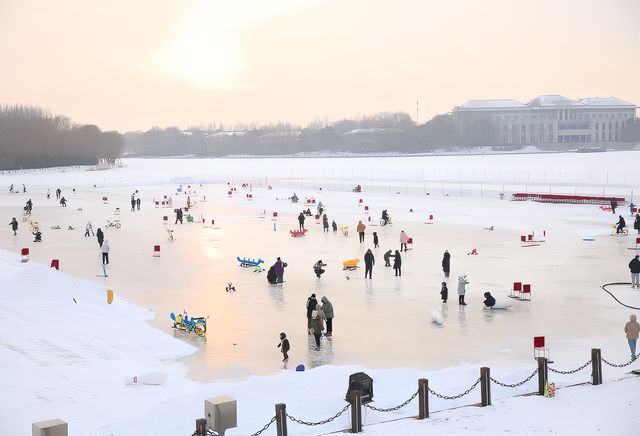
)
(380, 323)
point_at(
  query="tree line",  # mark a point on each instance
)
(31, 137)
(382, 132)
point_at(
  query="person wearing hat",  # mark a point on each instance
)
(14, 225)
(444, 292)
(462, 282)
(327, 309)
(311, 305)
(317, 268)
(317, 324)
(284, 346)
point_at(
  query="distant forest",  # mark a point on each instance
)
(383, 132)
(30, 137)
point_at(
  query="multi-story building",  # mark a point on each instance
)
(548, 120)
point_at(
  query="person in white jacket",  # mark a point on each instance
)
(105, 252)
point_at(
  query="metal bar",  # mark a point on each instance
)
(423, 398)
(596, 367)
(356, 411)
(543, 374)
(485, 386)
(281, 419)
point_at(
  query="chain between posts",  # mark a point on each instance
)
(324, 421)
(622, 365)
(573, 371)
(455, 397)
(515, 385)
(392, 409)
(266, 426)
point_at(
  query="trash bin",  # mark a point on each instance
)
(363, 383)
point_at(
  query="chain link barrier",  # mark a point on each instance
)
(621, 365)
(515, 385)
(573, 371)
(266, 426)
(392, 409)
(324, 421)
(455, 397)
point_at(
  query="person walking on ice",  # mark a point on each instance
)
(14, 225)
(360, 229)
(375, 240)
(104, 248)
(632, 329)
(403, 241)
(621, 225)
(327, 309)
(280, 266)
(284, 346)
(311, 306)
(100, 236)
(334, 226)
(178, 215)
(88, 229)
(133, 202)
(634, 267)
(446, 263)
(387, 258)
(63, 202)
(462, 283)
(301, 221)
(369, 261)
(636, 223)
(325, 223)
(317, 324)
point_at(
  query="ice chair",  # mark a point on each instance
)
(517, 289)
(539, 350)
(526, 292)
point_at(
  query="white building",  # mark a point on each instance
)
(549, 119)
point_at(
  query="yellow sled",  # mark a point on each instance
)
(350, 264)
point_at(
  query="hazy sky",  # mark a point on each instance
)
(133, 64)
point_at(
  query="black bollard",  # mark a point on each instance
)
(423, 398)
(355, 398)
(543, 374)
(281, 419)
(596, 367)
(485, 386)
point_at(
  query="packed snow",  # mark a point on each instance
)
(66, 352)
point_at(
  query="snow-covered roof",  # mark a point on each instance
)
(607, 102)
(553, 101)
(226, 133)
(491, 104)
(360, 131)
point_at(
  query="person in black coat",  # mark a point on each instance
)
(621, 225)
(271, 275)
(446, 263)
(489, 301)
(614, 204)
(636, 223)
(397, 263)
(301, 221)
(178, 215)
(14, 225)
(325, 223)
(369, 261)
(375, 240)
(317, 268)
(634, 268)
(334, 226)
(312, 302)
(100, 237)
(284, 346)
(444, 292)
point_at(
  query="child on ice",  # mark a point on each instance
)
(444, 292)
(284, 346)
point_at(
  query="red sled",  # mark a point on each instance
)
(297, 233)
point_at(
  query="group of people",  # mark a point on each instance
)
(135, 202)
(276, 272)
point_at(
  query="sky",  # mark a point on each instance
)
(130, 65)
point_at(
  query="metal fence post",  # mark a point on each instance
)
(356, 411)
(543, 374)
(423, 398)
(485, 386)
(281, 419)
(201, 427)
(596, 367)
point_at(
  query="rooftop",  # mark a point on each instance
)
(545, 101)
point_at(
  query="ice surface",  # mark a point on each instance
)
(380, 323)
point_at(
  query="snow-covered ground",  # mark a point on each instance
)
(65, 351)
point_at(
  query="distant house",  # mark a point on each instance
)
(549, 119)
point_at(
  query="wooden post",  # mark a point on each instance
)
(543, 374)
(596, 367)
(423, 398)
(356, 411)
(281, 419)
(485, 386)
(201, 427)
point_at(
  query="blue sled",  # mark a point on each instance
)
(249, 262)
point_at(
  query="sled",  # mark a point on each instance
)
(350, 264)
(248, 263)
(297, 233)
